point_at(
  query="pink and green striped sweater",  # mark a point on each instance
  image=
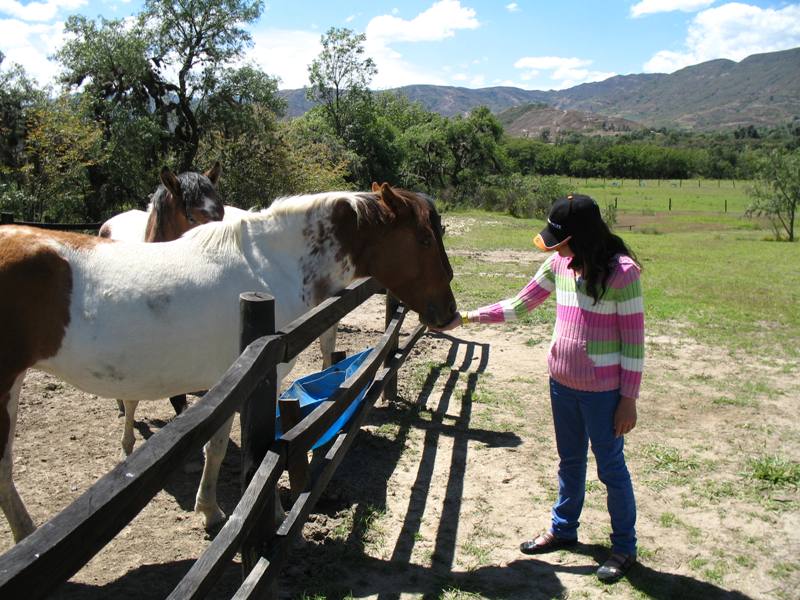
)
(595, 347)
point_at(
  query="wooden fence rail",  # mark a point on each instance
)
(8, 219)
(63, 545)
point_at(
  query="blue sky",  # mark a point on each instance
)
(532, 44)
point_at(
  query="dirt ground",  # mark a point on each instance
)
(442, 484)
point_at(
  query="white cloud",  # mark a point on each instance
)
(29, 44)
(478, 81)
(732, 31)
(513, 7)
(563, 72)
(285, 54)
(351, 18)
(649, 7)
(439, 22)
(38, 11)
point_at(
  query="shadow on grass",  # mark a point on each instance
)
(654, 584)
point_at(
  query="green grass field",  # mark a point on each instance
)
(654, 195)
(718, 273)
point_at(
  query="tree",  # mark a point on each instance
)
(474, 142)
(776, 191)
(340, 77)
(195, 39)
(60, 145)
(18, 94)
(166, 66)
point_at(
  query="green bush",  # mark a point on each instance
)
(522, 196)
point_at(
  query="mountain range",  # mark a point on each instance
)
(760, 90)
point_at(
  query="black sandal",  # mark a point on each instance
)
(546, 542)
(615, 567)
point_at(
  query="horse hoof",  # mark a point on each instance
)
(213, 517)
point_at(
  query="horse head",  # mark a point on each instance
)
(397, 238)
(182, 202)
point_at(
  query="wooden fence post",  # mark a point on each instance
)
(6, 218)
(298, 468)
(257, 417)
(390, 391)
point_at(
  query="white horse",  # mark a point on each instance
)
(139, 321)
(180, 203)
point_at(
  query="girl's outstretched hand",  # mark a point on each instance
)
(625, 416)
(456, 322)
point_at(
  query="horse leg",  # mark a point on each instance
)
(128, 438)
(327, 344)
(206, 501)
(12, 505)
(179, 403)
(120, 408)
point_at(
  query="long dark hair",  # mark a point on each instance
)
(594, 252)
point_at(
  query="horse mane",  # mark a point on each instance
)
(366, 205)
(226, 236)
(159, 206)
(218, 236)
(193, 186)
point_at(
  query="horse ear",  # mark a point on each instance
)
(375, 187)
(214, 172)
(390, 199)
(170, 182)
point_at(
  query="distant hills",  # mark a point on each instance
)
(545, 122)
(760, 90)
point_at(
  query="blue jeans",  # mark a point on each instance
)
(581, 417)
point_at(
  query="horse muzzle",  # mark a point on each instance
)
(438, 316)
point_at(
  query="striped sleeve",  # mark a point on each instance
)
(531, 296)
(630, 320)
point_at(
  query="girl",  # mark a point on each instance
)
(595, 365)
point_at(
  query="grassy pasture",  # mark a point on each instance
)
(650, 195)
(463, 466)
(717, 273)
(716, 455)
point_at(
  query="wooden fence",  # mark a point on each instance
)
(8, 219)
(64, 544)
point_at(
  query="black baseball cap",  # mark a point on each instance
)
(569, 216)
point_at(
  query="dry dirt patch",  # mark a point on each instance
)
(442, 484)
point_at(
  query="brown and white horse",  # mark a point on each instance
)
(141, 321)
(179, 204)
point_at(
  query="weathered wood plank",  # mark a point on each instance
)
(301, 437)
(304, 330)
(390, 390)
(298, 469)
(257, 418)
(206, 570)
(266, 572)
(61, 546)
